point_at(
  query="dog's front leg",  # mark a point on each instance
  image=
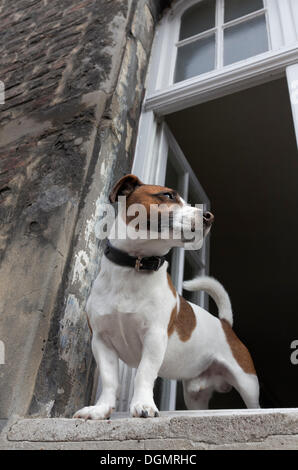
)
(107, 362)
(154, 347)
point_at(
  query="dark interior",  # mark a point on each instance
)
(243, 150)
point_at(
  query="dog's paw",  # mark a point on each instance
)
(94, 412)
(143, 410)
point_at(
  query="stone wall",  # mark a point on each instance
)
(74, 75)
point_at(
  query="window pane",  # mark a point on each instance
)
(172, 175)
(190, 272)
(197, 19)
(195, 58)
(245, 40)
(236, 8)
(192, 196)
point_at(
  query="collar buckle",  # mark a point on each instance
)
(138, 264)
(159, 263)
(144, 264)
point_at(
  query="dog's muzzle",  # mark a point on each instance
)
(208, 219)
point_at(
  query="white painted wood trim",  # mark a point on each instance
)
(282, 27)
(145, 142)
(276, 38)
(293, 4)
(245, 74)
(287, 21)
(168, 395)
(220, 34)
(244, 19)
(292, 77)
(162, 158)
(196, 37)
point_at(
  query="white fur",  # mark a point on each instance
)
(129, 313)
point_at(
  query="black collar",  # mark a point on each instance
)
(148, 263)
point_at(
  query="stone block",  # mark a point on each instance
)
(143, 25)
(249, 429)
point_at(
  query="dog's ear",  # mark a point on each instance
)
(124, 187)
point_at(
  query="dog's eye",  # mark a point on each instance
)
(169, 195)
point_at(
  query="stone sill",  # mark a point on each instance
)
(210, 429)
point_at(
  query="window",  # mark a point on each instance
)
(183, 264)
(217, 28)
(216, 33)
(179, 175)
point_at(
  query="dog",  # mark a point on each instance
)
(135, 314)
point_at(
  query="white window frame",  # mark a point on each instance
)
(292, 77)
(187, 182)
(163, 97)
(282, 21)
(218, 31)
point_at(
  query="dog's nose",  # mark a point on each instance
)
(208, 218)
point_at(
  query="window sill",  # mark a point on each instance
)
(211, 429)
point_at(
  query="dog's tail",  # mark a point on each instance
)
(217, 292)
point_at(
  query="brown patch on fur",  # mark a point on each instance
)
(148, 195)
(124, 187)
(184, 322)
(239, 350)
(171, 325)
(151, 195)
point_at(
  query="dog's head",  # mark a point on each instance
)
(163, 210)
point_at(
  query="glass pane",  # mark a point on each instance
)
(172, 181)
(192, 197)
(195, 58)
(172, 176)
(197, 19)
(236, 8)
(245, 40)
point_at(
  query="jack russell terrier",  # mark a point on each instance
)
(135, 314)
